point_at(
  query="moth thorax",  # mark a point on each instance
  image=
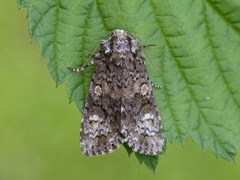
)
(118, 58)
(121, 45)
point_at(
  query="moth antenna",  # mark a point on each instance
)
(88, 62)
(80, 69)
(143, 48)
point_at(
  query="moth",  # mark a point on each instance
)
(120, 106)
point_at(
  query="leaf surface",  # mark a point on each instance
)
(195, 60)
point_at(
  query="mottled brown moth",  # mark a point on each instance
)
(120, 106)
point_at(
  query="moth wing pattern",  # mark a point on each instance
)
(140, 122)
(99, 133)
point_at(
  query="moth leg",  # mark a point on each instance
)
(155, 86)
(148, 45)
(80, 69)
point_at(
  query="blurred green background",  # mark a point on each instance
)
(39, 129)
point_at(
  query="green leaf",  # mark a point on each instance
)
(150, 161)
(195, 60)
(129, 150)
